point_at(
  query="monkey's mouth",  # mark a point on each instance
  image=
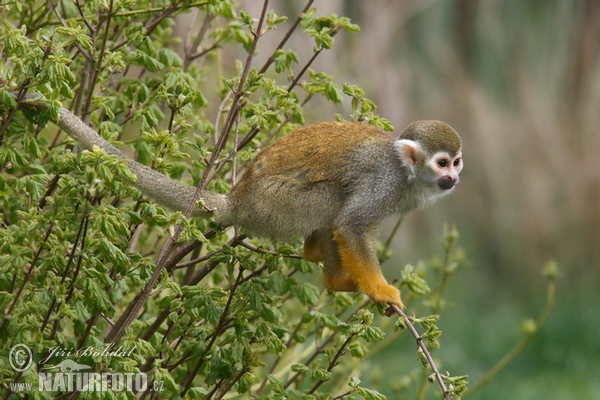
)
(447, 182)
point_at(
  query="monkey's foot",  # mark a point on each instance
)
(383, 293)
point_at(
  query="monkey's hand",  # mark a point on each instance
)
(359, 261)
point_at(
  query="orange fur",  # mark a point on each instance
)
(363, 268)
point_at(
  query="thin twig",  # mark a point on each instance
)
(286, 37)
(190, 48)
(321, 348)
(333, 362)
(83, 51)
(388, 242)
(263, 251)
(96, 69)
(421, 345)
(28, 274)
(235, 104)
(219, 329)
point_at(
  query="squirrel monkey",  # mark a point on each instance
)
(331, 183)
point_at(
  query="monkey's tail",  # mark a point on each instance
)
(165, 191)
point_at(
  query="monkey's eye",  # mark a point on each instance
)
(442, 163)
(456, 162)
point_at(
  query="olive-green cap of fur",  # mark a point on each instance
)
(433, 136)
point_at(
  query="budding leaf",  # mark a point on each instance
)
(415, 283)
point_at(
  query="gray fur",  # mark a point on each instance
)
(374, 182)
(165, 191)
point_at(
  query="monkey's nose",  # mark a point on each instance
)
(447, 182)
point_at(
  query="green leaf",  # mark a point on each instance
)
(332, 93)
(415, 283)
(321, 374)
(299, 367)
(7, 100)
(169, 57)
(31, 145)
(349, 26)
(274, 19)
(276, 386)
(163, 375)
(308, 294)
(96, 297)
(308, 18)
(373, 334)
(145, 60)
(284, 59)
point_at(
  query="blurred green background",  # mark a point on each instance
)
(520, 81)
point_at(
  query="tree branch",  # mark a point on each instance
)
(421, 345)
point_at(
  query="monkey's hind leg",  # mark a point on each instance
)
(359, 261)
(314, 248)
(319, 246)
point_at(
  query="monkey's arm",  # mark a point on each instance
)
(165, 191)
(353, 235)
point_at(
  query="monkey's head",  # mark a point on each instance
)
(433, 152)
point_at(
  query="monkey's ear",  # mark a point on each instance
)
(408, 150)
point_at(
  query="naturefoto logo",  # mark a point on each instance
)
(69, 366)
(69, 375)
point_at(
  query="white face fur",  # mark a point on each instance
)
(446, 168)
(438, 173)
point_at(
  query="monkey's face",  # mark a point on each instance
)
(445, 170)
